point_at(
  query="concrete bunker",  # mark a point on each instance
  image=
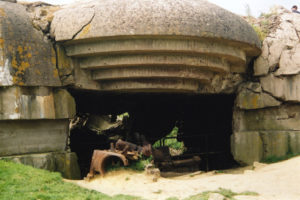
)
(165, 63)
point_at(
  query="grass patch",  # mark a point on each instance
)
(138, 165)
(172, 142)
(20, 182)
(228, 194)
(274, 159)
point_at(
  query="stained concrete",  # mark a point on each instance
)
(26, 57)
(33, 136)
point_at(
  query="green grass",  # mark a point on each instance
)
(274, 159)
(228, 194)
(138, 165)
(20, 182)
(172, 143)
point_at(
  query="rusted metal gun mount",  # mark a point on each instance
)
(122, 150)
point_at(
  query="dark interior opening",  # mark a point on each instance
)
(204, 122)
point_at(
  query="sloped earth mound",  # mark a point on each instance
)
(279, 181)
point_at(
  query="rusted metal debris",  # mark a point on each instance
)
(98, 161)
(122, 150)
(126, 147)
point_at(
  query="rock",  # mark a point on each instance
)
(261, 64)
(216, 196)
(289, 62)
(276, 47)
(248, 98)
(282, 118)
(246, 147)
(153, 172)
(63, 162)
(285, 88)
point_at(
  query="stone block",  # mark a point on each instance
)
(35, 103)
(285, 88)
(275, 143)
(282, 118)
(33, 136)
(246, 147)
(289, 62)
(63, 162)
(294, 142)
(249, 98)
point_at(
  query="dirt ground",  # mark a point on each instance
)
(279, 181)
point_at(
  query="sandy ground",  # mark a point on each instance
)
(279, 181)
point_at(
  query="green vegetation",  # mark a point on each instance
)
(262, 33)
(172, 142)
(138, 165)
(274, 159)
(20, 182)
(226, 193)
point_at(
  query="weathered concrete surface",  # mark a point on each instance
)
(251, 146)
(246, 147)
(285, 88)
(33, 136)
(63, 162)
(251, 96)
(96, 19)
(26, 59)
(167, 46)
(274, 131)
(285, 117)
(65, 67)
(35, 103)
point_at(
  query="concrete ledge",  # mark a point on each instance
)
(32, 136)
(63, 162)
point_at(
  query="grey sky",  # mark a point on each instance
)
(235, 6)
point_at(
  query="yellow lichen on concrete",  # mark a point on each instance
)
(254, 101)
(38, 72)
(1, 52)
(55, 73)
(20, 50)
(2, 12)
(84, 31)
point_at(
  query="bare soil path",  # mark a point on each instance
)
(279, 181)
